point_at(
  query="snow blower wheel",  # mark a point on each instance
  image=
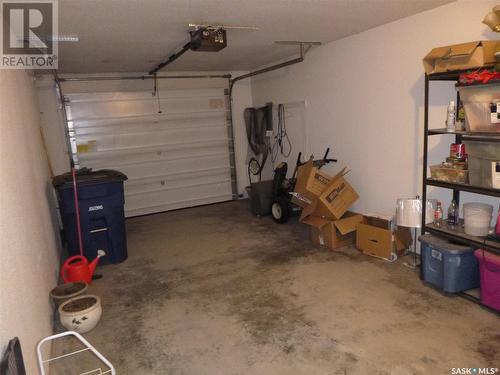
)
(280, 210)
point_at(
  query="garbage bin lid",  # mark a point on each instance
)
(86, 176)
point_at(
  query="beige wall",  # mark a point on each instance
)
(365, 96)
(28, 235)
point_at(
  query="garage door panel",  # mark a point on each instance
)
(196, 174)
(163, 168)
(151, 117)
(175, 205)
(173, 159)
(155, 138)
(140, 105)
(142, 124)
(88, 97)
(174, 182)
(146, 156)
(186, 195)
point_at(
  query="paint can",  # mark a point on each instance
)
(457, 151)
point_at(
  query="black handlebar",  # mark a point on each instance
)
(299, 157)
(326, 153)
(325, 160)
(317, 163)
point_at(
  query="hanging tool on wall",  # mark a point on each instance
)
(282, 143)
(258, 121)
(254, 169)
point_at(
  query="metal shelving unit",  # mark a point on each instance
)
(472, 136)
(464, 187)
(456, 234)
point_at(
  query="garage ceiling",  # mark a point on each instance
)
(136, 35)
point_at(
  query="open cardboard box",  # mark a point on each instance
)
(333, 233)
(461, 56)
(336, 198)
(324, 201)
(374, 236)
(311, 181)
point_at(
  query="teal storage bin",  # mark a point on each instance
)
(451, 267)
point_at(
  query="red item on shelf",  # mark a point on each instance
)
(478, 76)
(457, 150)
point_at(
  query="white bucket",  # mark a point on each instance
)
(477, 228)
(477, 218)
(482, 209)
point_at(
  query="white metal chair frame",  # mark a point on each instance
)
(97, 371)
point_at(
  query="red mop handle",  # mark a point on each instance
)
(77, 209)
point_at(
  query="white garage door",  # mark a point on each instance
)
(175, 147)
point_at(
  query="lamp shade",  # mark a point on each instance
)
(409, 213)
(492, 19)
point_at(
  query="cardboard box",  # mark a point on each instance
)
(333, 233)
(460, 56)
(311, 182)
(336, 199)
(374, 236)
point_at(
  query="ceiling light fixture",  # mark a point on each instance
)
(492, 19)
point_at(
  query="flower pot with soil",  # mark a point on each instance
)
(81, 314)
(64, 292)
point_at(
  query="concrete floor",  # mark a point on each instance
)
(213, 290)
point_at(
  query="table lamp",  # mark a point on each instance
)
(409, 214)
(492, 19)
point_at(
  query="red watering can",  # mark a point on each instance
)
(77, 268)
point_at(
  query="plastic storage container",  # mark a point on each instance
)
(459, 176)
(489, 266)
(476, 100)
(477, 218)
(260, 196)
(102, 219)
(481, 156)
(450, 267)
(480, 173)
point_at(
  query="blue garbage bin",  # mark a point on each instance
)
(102, 218)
